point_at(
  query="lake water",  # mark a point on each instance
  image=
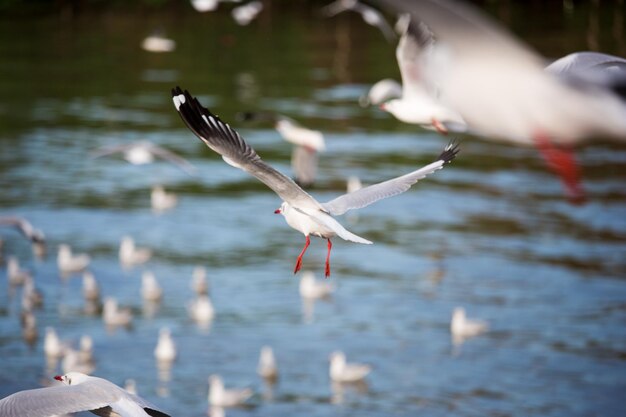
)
(491, 232)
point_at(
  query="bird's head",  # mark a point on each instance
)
(282, 209)
(72, 378)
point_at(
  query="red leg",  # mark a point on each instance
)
(439, 127)
(330, 245)
(562, 162)
(299, 260)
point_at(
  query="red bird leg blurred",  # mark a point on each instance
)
(299, 260)
(561, 161)
(327, 272)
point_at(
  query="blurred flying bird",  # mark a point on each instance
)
(301, 211)
(25, 227)
(500, 88)
(370, 15)
(144, 152)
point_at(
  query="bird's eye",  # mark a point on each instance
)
(69, 381)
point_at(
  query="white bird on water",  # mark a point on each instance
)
(15, 274)
(91, 289)
(165, 350)
(222, 397)
(267, 367)
(342, 371)
(199, 283)
(131, 255)
(301, 211)
(462, 328)
(69, 262)
(201, 309)
(150, 289)
(79, 392)
(114, 316)
(161, 200)
(310, 288)
(52, 346)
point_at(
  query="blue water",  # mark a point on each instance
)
(492, 232)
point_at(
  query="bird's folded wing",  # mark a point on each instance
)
(56, 400)
(368, 195)
(224, 140)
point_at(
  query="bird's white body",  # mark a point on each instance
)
(162, 200)
(91, 289)
(341, 371)
(67, 262)
(426, 112)
(301, 136)
(267, 367)
(462, 327)
(222, 397)
(199, 283)
(86, 348)
(16, 275)
(52, 346)
(201, 309)
(130, 254)
(112, 315)
(157, 43)
(150, 289)
(138, 155)
(165, 350)
(382, 91)
(311, 288)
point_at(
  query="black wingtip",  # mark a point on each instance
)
(449, 152)
(155, 413)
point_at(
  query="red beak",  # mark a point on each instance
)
(277, 211)
(58, 378)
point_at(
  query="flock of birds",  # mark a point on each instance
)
(460, 71)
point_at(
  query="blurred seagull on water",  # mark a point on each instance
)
(342, 371)
(68, 262)
(462, 328)
(222, 397)
(301, 211)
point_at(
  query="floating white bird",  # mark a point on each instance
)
(165, 350)
(267, 367)
(144, 152)
(341, 371)
(73, 362)
(114, 316)
(312, 289)
(29, 328)
(52, 346)
(86, 348)
(201, 309)
(199, 283)
(131, 386)
(15, 274)
(91, 289)
(500, 88)
(31, 296)
(222, 397)
(245, 14)
(419, 103)
(461, 327)
(80, 392)
(150, 288)
(162, 200)
(156, 42)
(131, 255)
(370, 15)
(301, 211)
(67, 262)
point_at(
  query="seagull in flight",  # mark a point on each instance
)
(144, 152)
(79, 392)
(301, 211)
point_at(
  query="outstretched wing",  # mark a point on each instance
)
(56, 400)
(224, 140)
(413, 53)
(368, 195)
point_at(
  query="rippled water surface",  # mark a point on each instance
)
(491, 232)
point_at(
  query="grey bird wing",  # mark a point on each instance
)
(375, 18)
(224, 140)
(170, 156)
(25, 227)
(368, 195)
(109, 150)
(412, 53)
(44, 402)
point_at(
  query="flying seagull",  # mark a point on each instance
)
(80, 392)
(143, 152)
(301, 211)
(25, 227)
